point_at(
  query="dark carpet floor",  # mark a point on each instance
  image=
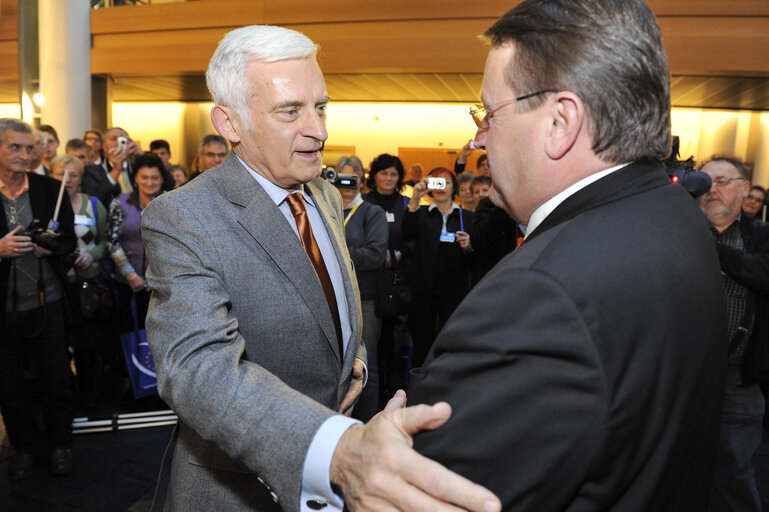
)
(116, 472)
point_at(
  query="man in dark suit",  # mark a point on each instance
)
(586, 370)
(256, 338)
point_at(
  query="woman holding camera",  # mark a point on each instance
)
(440, 268)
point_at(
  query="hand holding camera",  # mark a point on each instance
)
(420, 189)
(467, 150)
(13, 244)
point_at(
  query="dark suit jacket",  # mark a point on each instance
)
(96, 183)
(43, 192)
(494, 235)
(243, 340)
(596, 382)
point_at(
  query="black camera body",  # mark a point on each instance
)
(40, 236)
(348, 181)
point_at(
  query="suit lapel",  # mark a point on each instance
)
(262, 219)
(335, 230)
(630, 180)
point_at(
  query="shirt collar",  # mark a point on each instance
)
(546, 208)
(276, 193)
(454, 206)
(7, 193)
(733, 225)
(357, 199)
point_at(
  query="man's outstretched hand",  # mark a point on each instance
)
(377, 470)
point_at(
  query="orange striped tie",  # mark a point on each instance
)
(298, 210)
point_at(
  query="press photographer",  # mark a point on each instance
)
(32, 288)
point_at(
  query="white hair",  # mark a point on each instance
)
(226, 74)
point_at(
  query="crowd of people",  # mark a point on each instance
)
(572, 358)
(73, 272)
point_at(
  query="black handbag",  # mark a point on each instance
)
(393, 296)
(95, 298)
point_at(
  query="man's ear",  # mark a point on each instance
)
(745, 188)
(567, 117)
(226, 123)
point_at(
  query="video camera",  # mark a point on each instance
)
(683, 172)
(349, 181)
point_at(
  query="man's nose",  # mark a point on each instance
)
(315, 126)
(480, 139)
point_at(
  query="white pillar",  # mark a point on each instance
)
(64, 28)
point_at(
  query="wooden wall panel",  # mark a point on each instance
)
(429, 158)
(154, 53)
(732, 46)
(9, 60)
(176, 16)
(709, 7)
(9, 35)
(380, 47)
(332, 11)
(703, 37)
(403, 36)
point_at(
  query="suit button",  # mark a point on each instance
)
(317, 504)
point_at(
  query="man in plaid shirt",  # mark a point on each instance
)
(743, 250)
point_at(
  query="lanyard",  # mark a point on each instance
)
(358, 201)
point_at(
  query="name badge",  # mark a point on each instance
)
(390, 216)
(83, 220)
(448, 237)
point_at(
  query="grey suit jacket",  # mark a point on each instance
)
(243, 341)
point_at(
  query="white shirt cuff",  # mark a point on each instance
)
(316, 483)
(365, 371)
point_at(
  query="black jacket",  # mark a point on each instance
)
(366, 236)
(750, 268)
(586, 370)
(43, 192)
(435, 260)
(494, 236)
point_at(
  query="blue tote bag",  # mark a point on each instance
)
(138, 358)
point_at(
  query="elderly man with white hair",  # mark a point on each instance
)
(255, 321)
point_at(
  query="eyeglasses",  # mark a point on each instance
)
(481, 116)
(754, 199)
(722, 182)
